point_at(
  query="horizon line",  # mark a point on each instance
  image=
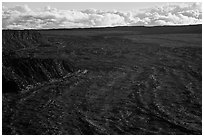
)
(148, 26)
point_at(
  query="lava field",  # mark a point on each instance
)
(102, 81)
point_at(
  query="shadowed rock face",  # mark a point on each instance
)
(24, 69)
(113, 82)
(9, 86)
(28, 71)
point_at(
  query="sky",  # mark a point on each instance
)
(47, 15)
(124, 6)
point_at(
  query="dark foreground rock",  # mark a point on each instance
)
(122, 83)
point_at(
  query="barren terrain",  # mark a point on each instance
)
(122, 80)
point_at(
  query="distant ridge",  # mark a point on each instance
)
(182, 29)
(115, 27)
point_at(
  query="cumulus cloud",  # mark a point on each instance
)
(22, 17)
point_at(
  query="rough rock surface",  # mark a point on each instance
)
(103, 82)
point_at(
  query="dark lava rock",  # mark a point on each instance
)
(114, 83)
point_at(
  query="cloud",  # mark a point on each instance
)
(173, 14)
(22, 17)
